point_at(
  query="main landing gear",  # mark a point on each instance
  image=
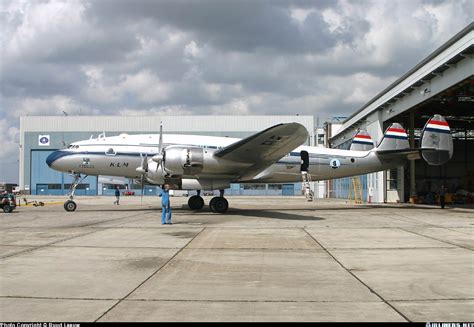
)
(196, 202)
(217, 204)
(70, 205)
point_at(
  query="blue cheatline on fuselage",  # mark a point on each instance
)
(61, 153)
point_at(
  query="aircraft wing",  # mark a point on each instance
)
(266, 147)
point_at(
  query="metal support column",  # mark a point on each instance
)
(411, 138)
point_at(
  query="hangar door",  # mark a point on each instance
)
(47, 181)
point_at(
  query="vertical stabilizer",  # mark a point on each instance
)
(395, 138)
(437, 135)
(361, 141)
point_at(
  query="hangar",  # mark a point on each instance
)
(41, 135)
(443, 83)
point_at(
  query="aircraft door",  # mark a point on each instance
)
(304, 160)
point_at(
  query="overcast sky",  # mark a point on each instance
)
(115, 57)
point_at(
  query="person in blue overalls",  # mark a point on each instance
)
(165, 205)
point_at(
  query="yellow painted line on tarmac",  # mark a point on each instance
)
(38, 205)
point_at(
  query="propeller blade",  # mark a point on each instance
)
(142, 186)
(160, 148)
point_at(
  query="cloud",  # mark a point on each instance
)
(210, 57)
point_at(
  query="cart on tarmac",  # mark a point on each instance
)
(7, 202)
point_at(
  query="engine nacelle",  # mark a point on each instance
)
(204, 184)
(180, 160)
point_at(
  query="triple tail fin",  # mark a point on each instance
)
(394, 138)
(436, 144)
(361, 141)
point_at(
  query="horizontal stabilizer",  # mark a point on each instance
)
(410, 154)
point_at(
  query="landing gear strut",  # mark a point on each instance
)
(219, 203)
(70, 205)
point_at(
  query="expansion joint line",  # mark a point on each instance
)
(149, 277)
(357, 278)
(68, 238)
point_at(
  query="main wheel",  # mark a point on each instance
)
(219, 204)
(196, 202)
(70, 205)
(7, 208)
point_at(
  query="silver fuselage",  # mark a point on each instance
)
(122, 155)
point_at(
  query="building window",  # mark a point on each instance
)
(79, 187)
(320, 138)
(392, 179)
(274, 186)
(254, 186)
(54, 186)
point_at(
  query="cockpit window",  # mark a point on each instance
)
(110, 151)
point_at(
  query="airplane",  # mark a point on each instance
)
(274, 155)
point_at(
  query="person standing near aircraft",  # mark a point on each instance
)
(442, 196)
(165, 206)
(117, 195)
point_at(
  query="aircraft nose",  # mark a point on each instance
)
(53, 157)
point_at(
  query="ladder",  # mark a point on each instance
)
(308, 193)
(355, 192)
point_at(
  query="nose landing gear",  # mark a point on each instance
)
(70, 205)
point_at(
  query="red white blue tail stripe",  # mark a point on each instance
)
(362, 139)
(438, 126)
(396, 133)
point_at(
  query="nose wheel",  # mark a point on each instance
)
(70, 205)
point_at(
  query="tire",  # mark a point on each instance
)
(70, 206)
(41, 204)
(196, 202)
(7, 208)
(211, 204)
(219, 204)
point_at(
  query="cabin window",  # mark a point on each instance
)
(110, 152)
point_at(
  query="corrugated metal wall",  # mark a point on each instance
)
(150, 123)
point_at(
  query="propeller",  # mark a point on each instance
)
(159, 158)
(143, 169)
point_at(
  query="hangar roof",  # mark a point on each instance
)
(456, 49)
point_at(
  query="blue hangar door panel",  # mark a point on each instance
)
(47, 181)
(288, 189)
(44, 180)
